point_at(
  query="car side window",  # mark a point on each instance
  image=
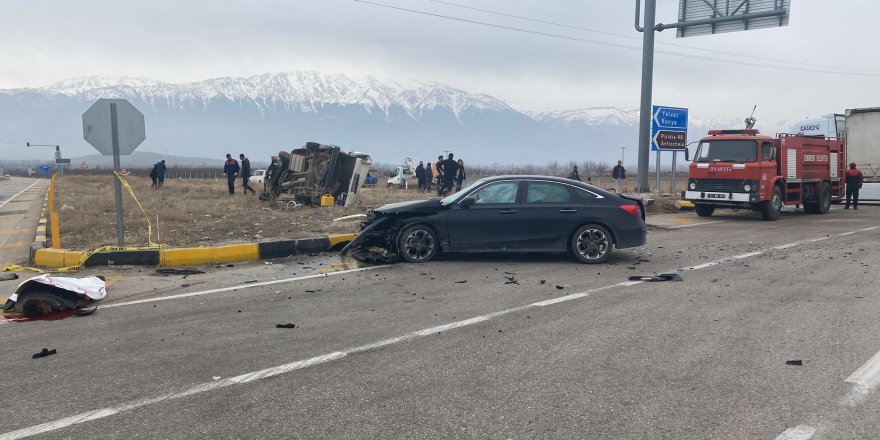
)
(498, 192)
(547, 192)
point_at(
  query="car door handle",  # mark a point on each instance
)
(568, 211)
(507, 211)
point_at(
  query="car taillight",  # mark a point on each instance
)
(632, 210)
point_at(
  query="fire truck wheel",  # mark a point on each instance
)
(771, 209)
(824, 199)
(704, 210)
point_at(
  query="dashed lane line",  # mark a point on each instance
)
(801, 432)
(17, 194)
(695, 224)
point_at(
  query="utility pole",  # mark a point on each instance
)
(622, 151)
(644, 153)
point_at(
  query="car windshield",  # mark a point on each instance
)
(450, 199)
(727, 151)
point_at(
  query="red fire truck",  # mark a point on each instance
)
(741, 169)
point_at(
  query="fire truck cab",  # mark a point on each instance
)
(742, 169)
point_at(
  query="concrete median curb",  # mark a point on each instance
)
(234, 253)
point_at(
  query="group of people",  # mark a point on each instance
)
(618, 173)
(157, 174)
(232, 170)
(449, 174)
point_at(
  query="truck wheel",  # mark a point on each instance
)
(417, 244)
(824, 204)
(704, 210)
(771, 209)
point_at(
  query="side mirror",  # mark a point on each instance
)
(687, 155)
(467, 202)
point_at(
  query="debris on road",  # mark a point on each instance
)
(45, 294)
(44, 352)
(560, 287)
(288, 325)
(511, 279)
(8, 276)
(461, 282)
(658, 277)
(796, 362)
(349, 217)
(167, 271)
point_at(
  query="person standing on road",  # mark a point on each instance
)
(574, 174)
(450, 170)
(245, 174)
(154, 176)
(460, 176)
(440, 171)
(854, 180)
(420, 176)
(429, 177)
(160, 172)
(619, 175)
(230, 168)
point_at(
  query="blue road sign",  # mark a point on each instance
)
(667, 126)
(44, 169)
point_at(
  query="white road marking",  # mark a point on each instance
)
(17, 194)
(800, 432)
(240, 286)
(870, 229)
(786, 246)
(695, 224)
(847, 233)
(819, 239)
(864, 381)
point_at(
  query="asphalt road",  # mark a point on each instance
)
(450, 349)
(21, 201)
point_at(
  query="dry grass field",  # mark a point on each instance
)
(200, 212)
(195, 212)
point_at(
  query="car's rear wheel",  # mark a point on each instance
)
(592, 244)
(417, 244)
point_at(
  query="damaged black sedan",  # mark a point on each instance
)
(504, 214)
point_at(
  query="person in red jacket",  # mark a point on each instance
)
(854, 181)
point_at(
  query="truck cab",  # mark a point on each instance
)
(742, 169)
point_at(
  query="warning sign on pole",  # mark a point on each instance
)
(84, 166)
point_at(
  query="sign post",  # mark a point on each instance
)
(668, 133)
(114, 127)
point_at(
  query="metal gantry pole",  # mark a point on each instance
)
(657, 172)
(645, 108)
(672, 187)
(114, 129)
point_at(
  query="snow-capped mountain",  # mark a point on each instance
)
(263, 114)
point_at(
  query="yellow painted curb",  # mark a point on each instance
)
(340, 238)
(50, 257)
(684, 204)
(206, 255)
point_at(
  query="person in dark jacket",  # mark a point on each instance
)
(246, 174)
(154, 176)
(160, 172)
(619, 176)
(440, 173)
(460, 176)
(450, 170)
(854, 180)
(574, 174)
(429, 177)
(420, 176)
(231, 169)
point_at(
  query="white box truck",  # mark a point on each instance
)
(861, 129)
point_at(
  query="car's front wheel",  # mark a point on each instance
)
(592, 244)
(417, 244)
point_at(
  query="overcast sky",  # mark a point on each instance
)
(45, 41)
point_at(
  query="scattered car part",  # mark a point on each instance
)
(658, 277)
(166, 271)
(44, 352)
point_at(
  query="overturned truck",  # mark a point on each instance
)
(306, 174)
